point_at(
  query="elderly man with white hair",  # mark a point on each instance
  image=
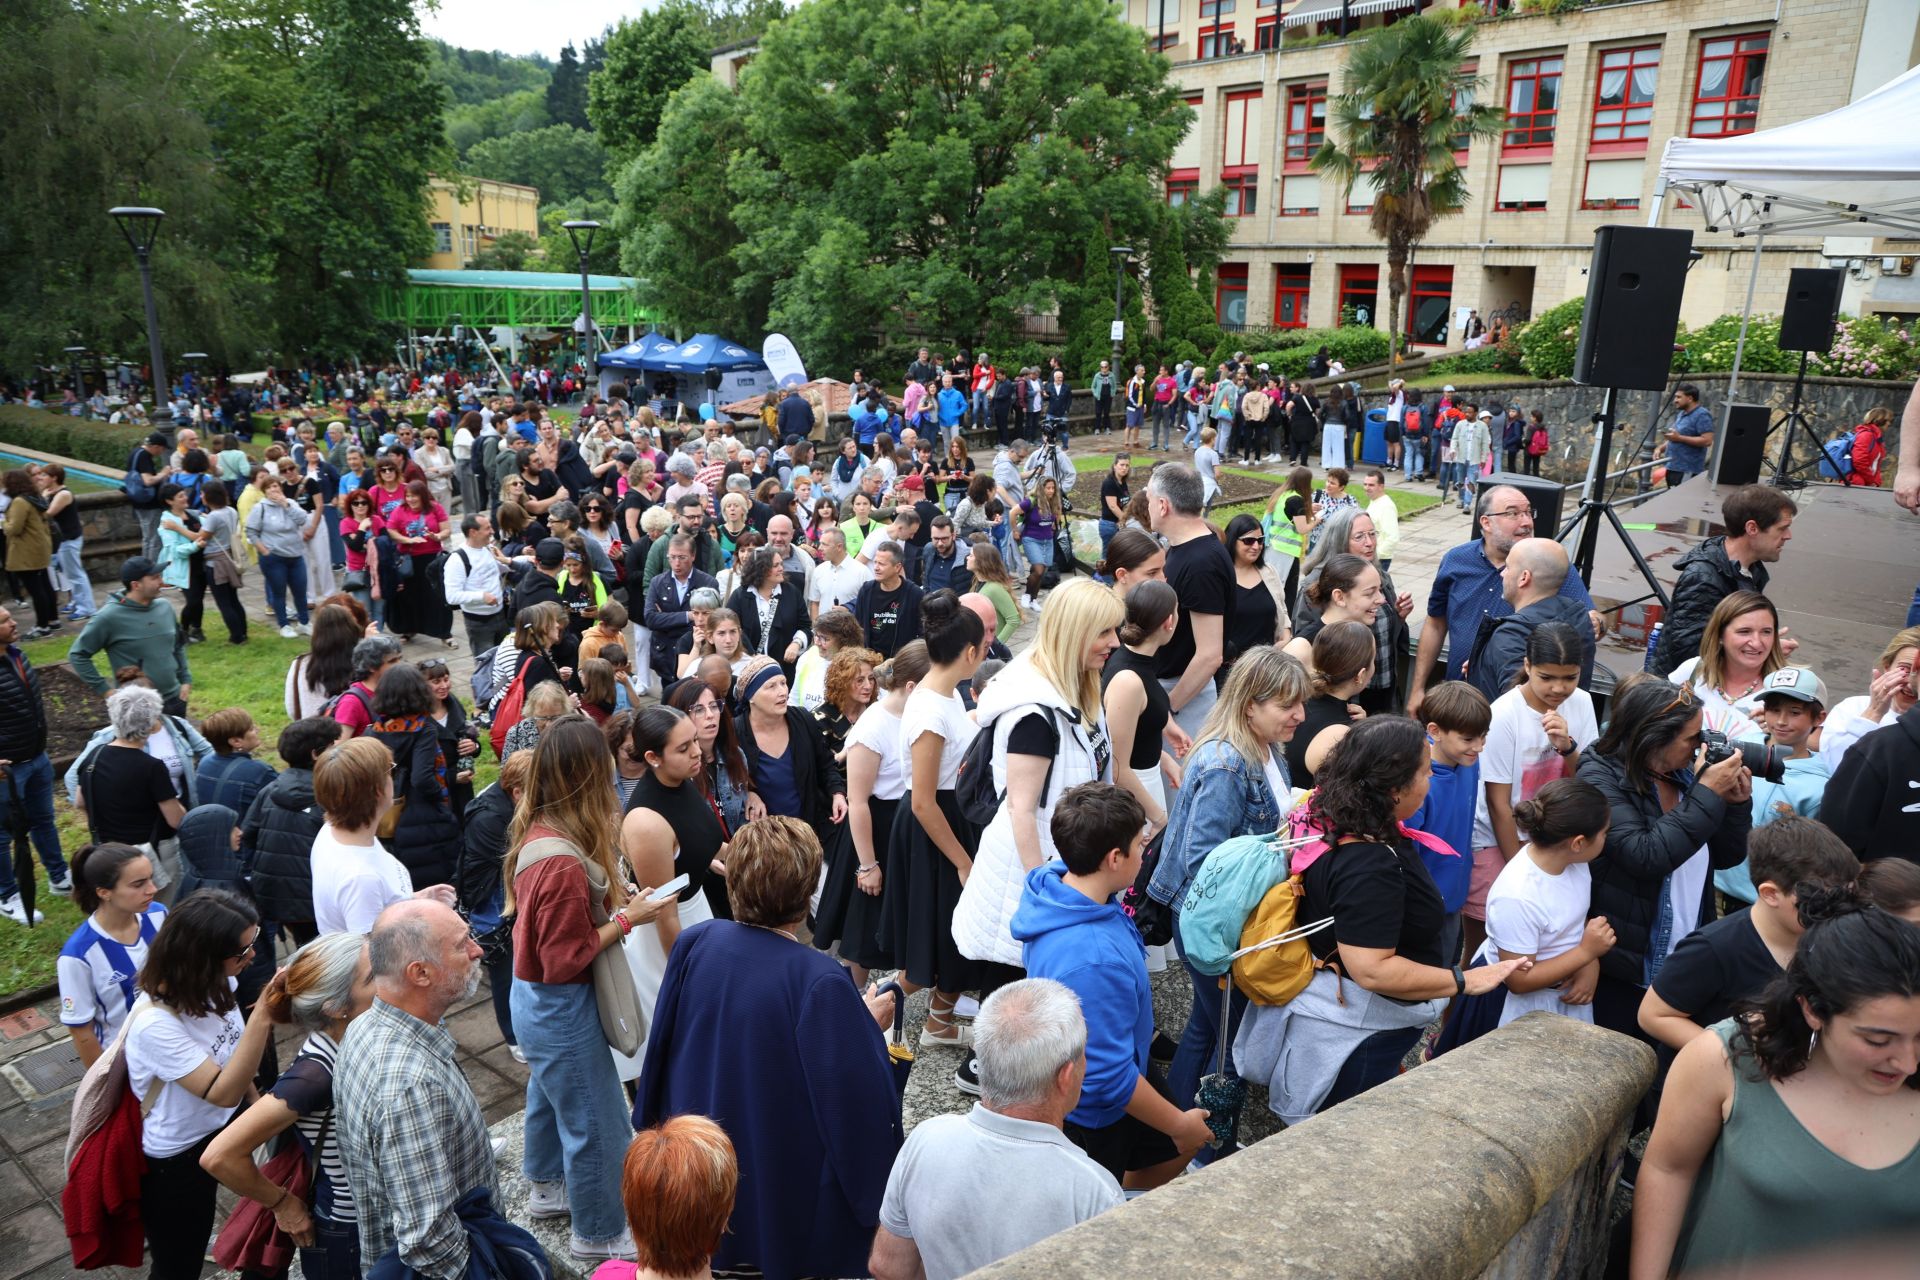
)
(969, 1190)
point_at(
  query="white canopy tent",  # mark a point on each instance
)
(1855, 166)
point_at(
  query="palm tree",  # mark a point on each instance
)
(1406, 109)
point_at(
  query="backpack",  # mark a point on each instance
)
(973, 789)
(508, 713)
(101, 1201)
(138, 491)
(1836, 457)
(349, 691)
(1537, 443)
(481, 681)
(1410, 424)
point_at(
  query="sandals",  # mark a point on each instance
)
(961, 1037)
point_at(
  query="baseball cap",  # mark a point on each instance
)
(912, 482)
(1487, 414)
(136, 568)
(551, 553)
(1791, 682)
(1448, 389)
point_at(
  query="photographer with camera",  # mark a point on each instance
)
(1682, 808)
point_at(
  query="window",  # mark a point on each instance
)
(1162, 43)
(1430, 305)
(1461, 99)
(1240, 153)
(1230, 295)
(468, 242)
(1216, 8)
(1359, 292)
(1182, 185)
(1614, 184)
(1266, 27)
(443, 237)
(1299, 195)
(1623, 97)
(1361, 195)
(1306, 123)
(1726, 98)
(1291, 284)
(1523, 187)
(1183, 171)
(1217, 42)
(1533, 102)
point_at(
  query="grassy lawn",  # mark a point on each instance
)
(252, 676)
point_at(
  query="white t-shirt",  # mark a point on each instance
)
(929, 712)
(95, 988)
(353, 884)
(1716, 712)
(164, 1045)
(1519, 754)
(879, 732)
(1685, 887)
(160, 747)
(1530, 912)
(837, 584)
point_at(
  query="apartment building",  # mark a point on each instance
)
(1592, 93)
(468, 214)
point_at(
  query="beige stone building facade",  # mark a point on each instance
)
(464, 226)
(1592, 94)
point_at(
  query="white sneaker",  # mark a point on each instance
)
(499, 1147)
(287, 632)
(620, 1248)
(15, 910)
(64, 885)
(305, 628)
(547, 1200)
(518, 1054)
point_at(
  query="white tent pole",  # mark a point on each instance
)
(1659, 200)
(1739, 352)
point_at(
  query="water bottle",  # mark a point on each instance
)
(1653, 639)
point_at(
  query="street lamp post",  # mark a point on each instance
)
(1122, 254)
(140, 224)
(580, 231)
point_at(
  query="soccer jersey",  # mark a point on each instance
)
(97, 975)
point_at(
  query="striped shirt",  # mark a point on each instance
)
(306, 1086)
(97, 975)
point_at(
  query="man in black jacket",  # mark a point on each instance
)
(1873, 799)
(277, 833)
(26, 774)
(1759, 522)
(943, 562)
(666, 610)
(1535, 571)
(888, 608)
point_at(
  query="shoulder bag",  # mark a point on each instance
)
(622, 1020)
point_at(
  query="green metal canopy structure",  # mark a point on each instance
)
(517, 299)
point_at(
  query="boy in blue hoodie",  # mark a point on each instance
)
(1074, 932)
(1458, 716)
(1789, 708)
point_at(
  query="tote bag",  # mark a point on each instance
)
(622, 1020)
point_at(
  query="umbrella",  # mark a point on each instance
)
(899, 1052)
(22, 851)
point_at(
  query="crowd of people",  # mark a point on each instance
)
(786, 738)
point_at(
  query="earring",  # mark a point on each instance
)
(1813, 1043)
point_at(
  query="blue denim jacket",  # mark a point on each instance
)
(1222, 795)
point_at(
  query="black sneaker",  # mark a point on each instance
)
(967, 1078)
(1162, 1049)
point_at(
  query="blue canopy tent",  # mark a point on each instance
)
(705, 369)
(633, 354)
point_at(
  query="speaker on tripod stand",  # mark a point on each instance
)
(1806, 325)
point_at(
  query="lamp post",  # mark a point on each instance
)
(1122, 254)
(580, 231)
(140, 224)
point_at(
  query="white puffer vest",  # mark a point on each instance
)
(982, 920)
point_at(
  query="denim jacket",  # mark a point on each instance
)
(1222, 795)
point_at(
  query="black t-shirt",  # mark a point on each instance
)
(962, 472)
(926, 511)
(1322, 712)
(1111, 488)
(1035, 734)
(634, 501)
(886, 620)
(542, 485)
(1153, 720)
(1200, 573)
(1256, 619)
(1714, 967)
(1380, 896)
(124, 789)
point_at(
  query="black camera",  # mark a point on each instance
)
(1763, 760)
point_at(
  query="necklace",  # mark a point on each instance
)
(1731, 696)
(788, 934)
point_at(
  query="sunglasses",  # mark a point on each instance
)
(245, 951)
(1684, 698)
(1254, 541)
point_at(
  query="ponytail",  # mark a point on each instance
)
(1341, 652)
(1149, 605)
(1562, 809)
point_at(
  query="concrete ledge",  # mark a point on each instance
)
(1437, 1174)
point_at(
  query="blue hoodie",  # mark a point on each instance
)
(1447, 813)
(1799, 790)
(1095, 950)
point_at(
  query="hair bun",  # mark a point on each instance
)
(1527, 814)
(1818, 902)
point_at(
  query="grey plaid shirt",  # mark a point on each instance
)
(411, 1137)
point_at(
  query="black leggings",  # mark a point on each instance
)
(39, 585)
(194, 611)
(176, 1208)
(227, 600)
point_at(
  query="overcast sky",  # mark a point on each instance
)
(514, 26)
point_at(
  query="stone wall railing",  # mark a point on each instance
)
(1497, 1160)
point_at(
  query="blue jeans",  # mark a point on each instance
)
(1199, 1051)
(982, 405)
(336, 548)
(282, 574)
(577, 1122)
(1375, 1061)
(1107, 529)
(66, 558)
(1192, 438)
(30, 782)
(1416, 457)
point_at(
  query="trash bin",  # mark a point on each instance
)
(1373, 443)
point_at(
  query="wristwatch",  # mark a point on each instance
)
(1459, 981)
(1572, 747)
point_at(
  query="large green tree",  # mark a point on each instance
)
(564, 162)
(948, 160)
(105, 109)
(567, 91)
(328, 115)
(1398, 121)
(646, 59)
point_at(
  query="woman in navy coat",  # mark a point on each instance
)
(769, 1038)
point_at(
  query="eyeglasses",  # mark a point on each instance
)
(246, 951)
(1684, 698)
(1514, 513)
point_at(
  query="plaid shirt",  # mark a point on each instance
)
(411, 1137)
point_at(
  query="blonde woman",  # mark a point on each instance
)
(1049, 736)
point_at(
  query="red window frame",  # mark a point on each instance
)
(1184, 184)
(1359, 286)
(1230, 278)
(1243, 191)
(1216, 8)
(1303, 136)
(1266, 33)
(1428, 282)
(1292, 281)
(1296, 211)
(1624, 126)
(1533, 129)
(1240, 173)
(1161, 43)
(1216, 41)
(1740, 53)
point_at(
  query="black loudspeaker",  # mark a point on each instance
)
(1543, 495)
(1745, 447)
(1633, 307)
(1813, 304)
(713, 379)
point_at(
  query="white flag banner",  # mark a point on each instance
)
(783, 361)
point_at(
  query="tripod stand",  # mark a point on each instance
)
(1784, 474)
(1594, 507)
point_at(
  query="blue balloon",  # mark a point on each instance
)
(706, 413)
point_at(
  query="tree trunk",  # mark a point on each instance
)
(1396, 294)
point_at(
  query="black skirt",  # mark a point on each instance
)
(923, 889)
(847, 915)
(417, 603)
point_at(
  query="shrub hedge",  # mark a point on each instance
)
(1352, 345)
(103, 444)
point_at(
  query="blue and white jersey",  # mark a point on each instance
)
(97, 975)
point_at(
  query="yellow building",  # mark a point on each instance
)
(1592, 94)
(463, 227)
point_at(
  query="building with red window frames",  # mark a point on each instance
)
(1592, 95)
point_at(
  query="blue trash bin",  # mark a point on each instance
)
(1373, 444)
